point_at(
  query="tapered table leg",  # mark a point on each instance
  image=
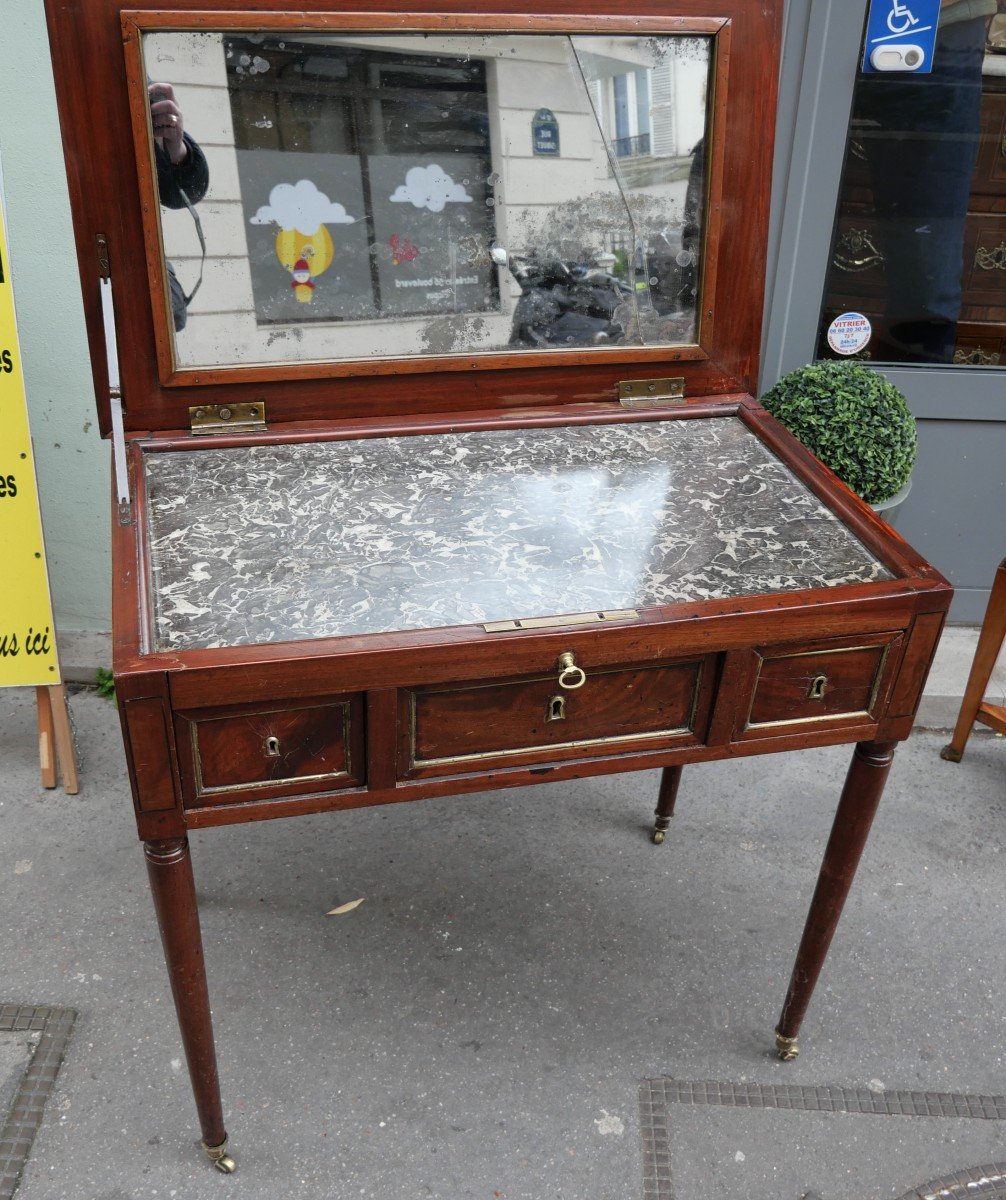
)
(173, 888)
(669, 781)
(990, 642)
(864, 786)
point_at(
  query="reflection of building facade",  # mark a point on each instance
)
(655, 111)
(301, 102)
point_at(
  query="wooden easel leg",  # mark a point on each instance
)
(65, 753)
(990, 642)
(174, 892)
(669, 781)
(46, 737)
(864, 785)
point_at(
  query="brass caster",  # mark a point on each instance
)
(785, 1047)
(219, 1157)
(660, 828)
(949, 754)
(658, 836)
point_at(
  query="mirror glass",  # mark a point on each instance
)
(332, 197)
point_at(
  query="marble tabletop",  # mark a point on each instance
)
(326, 539)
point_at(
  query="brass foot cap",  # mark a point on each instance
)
(658, 836)
(949, 754)
(786, 1048)
(219, 1157)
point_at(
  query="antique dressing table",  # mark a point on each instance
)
(448, 477)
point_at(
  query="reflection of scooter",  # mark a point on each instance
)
(560, 305)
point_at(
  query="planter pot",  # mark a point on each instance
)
(888, 509)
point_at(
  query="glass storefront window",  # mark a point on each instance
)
(919, 248)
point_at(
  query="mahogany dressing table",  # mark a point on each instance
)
(448, 477)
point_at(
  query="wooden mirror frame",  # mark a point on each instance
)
(113, 196)
(135, 25)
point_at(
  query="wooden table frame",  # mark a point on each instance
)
(159, 690)
(884, 632)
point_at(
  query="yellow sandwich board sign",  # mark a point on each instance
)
(27, 632)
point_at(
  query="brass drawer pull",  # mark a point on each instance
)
(272, 747)
(817, 686)
(993, 259)
(570, 675)
(976, 357)
(856, 251)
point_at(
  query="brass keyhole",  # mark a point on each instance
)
(817, 686)
(272, 747)
(557, 708)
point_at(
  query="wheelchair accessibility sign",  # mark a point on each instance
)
(901, 36)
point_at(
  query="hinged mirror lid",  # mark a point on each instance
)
(354, 214)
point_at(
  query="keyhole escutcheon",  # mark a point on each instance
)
(817, 686)
(272, 747)
(557, 708)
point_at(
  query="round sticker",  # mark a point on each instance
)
(849, 333)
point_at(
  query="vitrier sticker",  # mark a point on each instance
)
(850, 333)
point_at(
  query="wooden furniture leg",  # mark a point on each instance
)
(990, 642)
(66, 755)
(173, 888)
(55, 739)
(669, 781)
(864, 786)
(46, 738)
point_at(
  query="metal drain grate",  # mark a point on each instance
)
(824, 1099)
(54, 1025)
(656, 1095)
(984, 1183)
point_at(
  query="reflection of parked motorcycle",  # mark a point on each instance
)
(560, 304)
(671, 271)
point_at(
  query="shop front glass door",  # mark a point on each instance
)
(917, 271)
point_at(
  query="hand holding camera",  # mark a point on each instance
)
(166, 119)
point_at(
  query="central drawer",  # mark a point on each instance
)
(464, 727)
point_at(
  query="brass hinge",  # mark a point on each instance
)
(227, 418)
(646, 393)
(104, 268)
(623, 614)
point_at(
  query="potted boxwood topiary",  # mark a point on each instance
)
(856, 422)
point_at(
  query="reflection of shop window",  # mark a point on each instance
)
(365, 180)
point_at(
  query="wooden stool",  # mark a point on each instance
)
(990, 640)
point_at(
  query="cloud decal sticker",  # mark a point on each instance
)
(301, 206)
(429, 187)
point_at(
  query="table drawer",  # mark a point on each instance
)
(467, 726)
(839, 680)
(259, 751)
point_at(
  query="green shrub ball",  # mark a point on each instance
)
(854, 420)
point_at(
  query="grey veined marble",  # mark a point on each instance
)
(281, 543)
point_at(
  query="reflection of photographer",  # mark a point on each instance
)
(182, 178)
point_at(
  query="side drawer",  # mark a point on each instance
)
(467, 727)
(810, 684)
(260, 751)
